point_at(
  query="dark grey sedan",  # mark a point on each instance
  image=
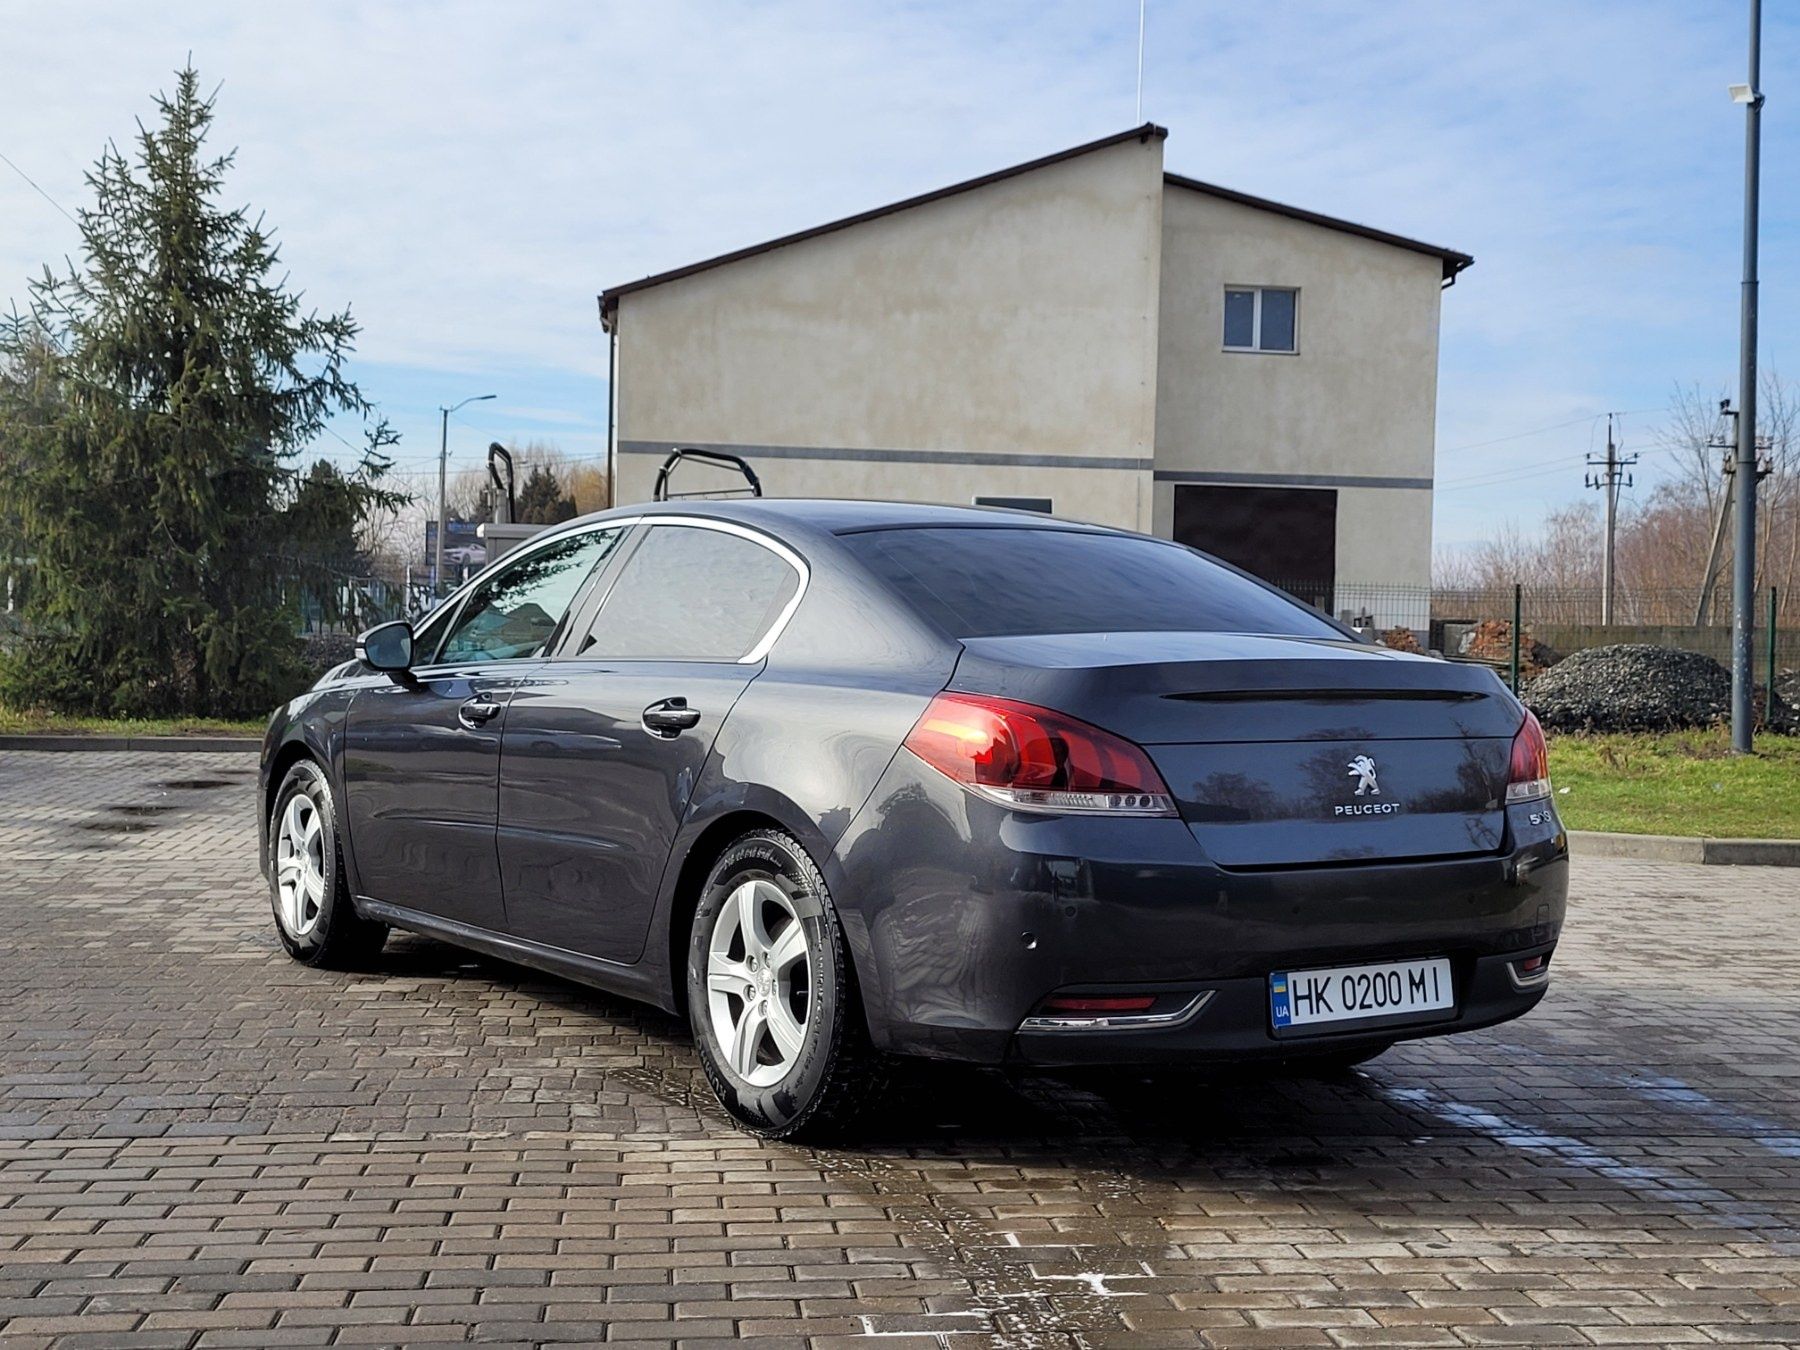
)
(842, 781)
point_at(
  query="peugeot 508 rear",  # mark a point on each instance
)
(850, 780)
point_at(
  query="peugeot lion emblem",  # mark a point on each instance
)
(1362, 769)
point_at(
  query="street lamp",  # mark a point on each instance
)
(1743, 597)
(437, 566)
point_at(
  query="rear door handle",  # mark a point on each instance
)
(670, 717)
(478, 712)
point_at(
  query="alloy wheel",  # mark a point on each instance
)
(759, 982)
(300, 865)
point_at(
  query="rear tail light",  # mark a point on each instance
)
(1529, 776)
(1033, 759)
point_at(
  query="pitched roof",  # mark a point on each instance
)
(609, 299)
(1454, 262)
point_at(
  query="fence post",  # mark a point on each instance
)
(1518, 611)
(1769, 698)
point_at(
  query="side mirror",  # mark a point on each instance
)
(387, 646)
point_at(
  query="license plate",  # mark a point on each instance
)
(1302, 998)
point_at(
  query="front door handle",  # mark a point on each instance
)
(670, 717)
(478, 712)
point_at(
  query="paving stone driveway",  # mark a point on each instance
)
(203, 1144)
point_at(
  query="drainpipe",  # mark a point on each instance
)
(612, 404)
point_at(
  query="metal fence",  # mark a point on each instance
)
(1477, 623)
(321, 599)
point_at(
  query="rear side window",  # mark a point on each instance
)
(692, 594)
(975, 582)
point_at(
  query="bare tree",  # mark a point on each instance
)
(1663, 540)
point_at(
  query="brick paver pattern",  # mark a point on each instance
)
(203, 1144)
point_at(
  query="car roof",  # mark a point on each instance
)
(844, 516)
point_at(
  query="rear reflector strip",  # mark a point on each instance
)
(1181, 1015)
(1081, 1003)
(1528, 972)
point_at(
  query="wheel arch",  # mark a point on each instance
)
(713, 839)
(709, 840)
(288, 754)
(307, 741)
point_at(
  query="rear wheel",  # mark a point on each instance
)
(308, 890)
(771, 995)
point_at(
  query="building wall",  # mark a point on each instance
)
(1002, 341)
(1354, 408)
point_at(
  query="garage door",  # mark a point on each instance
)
(1287, 536)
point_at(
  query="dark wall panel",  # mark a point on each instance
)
(1284, 535)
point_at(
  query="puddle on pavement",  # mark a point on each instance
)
(198, 784)
(140, 808)
(118, 826)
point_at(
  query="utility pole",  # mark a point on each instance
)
(1613, 472)
(437, 562)
(1743, 597)
(1728, 444)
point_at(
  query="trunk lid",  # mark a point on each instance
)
(1284, 752)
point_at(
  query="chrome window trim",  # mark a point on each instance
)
(455, 599)
(757, 652)
(771, 635)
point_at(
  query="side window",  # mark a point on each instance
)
(1261, 318)
(514, 613)
(692, 594)
(428, 635)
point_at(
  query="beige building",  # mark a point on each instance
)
(1085, 334)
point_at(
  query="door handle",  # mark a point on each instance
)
(670, 717)
(478, 712)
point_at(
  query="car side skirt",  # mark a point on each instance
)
(628, 981)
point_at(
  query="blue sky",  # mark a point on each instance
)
(468, 176)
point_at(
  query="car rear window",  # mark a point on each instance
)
(985, 582)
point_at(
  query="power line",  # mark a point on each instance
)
(1487, 476)
(1561, 466)
(40, 192)
(1590, 418)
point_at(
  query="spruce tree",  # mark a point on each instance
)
(542, 500)
(159, 395)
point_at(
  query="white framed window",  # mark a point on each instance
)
(1262, 319)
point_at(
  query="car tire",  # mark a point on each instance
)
(772, 996)
(308, 890)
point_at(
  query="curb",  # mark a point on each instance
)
(167, 744)
(1678, 848)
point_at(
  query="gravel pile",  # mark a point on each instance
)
(1634, 687)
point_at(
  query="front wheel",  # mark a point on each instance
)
(308, 889)
(771, 995)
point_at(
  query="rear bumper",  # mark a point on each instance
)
(1230, 1021)
(963, 917)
